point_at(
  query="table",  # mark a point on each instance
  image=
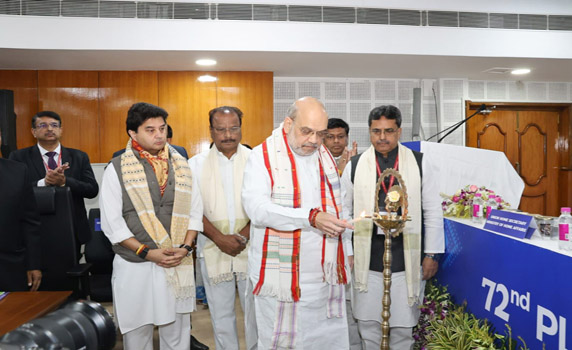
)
(20, 307)
(524, 283)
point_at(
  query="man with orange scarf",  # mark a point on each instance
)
(297, 262)
(151, 212)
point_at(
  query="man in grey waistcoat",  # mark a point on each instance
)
(151, 211)
(415, 252)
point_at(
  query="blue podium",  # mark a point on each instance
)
(524, 283)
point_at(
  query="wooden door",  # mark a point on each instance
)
(528, 135)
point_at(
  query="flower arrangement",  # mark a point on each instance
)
(444, 325)
(460, 204)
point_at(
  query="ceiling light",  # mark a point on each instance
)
(205, 62)
(207, 78)
(520, 71)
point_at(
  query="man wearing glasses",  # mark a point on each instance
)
(415, 252)
(51, 164)
(297, 259)
(221, 248)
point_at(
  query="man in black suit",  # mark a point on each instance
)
(179, 149)
(51, 164)
(20, 250)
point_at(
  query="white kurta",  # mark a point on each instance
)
(225, 166)
(315, 331)
(141, 293)
(221, 296)
(367, 306)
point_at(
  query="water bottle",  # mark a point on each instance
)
(564, 228)
(491, 204)
(478, 205)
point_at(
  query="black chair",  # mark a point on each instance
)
(60, 268)
(99, 254)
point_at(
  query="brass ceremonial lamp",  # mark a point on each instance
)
(392, 225)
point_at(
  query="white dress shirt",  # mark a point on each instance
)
(57, 158)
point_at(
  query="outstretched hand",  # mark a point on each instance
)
(330, 225)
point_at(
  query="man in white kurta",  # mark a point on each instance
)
(152, 281)
(221, 247)
(318, 321)
(420, 244)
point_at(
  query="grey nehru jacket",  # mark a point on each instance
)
(163, 207)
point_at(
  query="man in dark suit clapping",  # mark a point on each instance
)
(20, 251)
(51, 164)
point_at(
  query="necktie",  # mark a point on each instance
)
(51, 161)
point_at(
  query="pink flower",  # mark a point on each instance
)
(455, 199)
(473, 188)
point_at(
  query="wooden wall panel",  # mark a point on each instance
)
(94, 105)
(188, 102)
(118, 90)
(253, 93)
(24, 83)
(74, 96)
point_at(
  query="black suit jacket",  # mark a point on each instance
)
(179, 149)
(79, 178)
(20, 247)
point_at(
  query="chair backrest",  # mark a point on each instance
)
(59, 253)
(98, 250)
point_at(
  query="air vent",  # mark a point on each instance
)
(270, 13)
(560, 22)
(443, 19)
(373, 16)
(498, 70)
(305, 13)
(404, 17)
(503, 20)
(234, 11)
(185, 10)
(339, 14)
(10, 7)
(162, 10)
(41, 8)
(473, 19)
(117, 9)
(533, 22)
(335, 91)
(79, 8)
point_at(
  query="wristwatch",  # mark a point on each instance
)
(435, 257)
(188, 248)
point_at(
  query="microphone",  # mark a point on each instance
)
(454, 127)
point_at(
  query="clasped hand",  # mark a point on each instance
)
(167, 257)
(56, 177)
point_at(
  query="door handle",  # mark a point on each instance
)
(517, 167)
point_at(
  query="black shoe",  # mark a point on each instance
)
(197, 345)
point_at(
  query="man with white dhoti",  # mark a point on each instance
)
(415, 252)
(223, 259)
(296, 261)
(151, 212)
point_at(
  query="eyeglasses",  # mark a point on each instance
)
(233, 130)
(307, 132)
(48, 125)
(388, 131)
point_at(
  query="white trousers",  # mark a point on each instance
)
(250, 317)
(221, 298)
(400, 338)
(172, 336)
(353, 333)
(314, 330)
